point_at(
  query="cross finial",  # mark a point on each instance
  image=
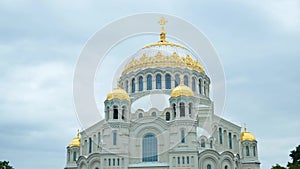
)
(162, 22)
(245, 127)
(78, 133)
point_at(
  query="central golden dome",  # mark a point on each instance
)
(118, 93)
(245, 135)
(163, 53)
(182, 90)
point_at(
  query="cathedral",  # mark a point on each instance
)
(160, 115)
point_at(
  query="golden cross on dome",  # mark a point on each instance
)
(162, 22)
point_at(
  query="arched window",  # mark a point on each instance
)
(202, 143)
(200, 86)
(99, 138)
(168, 116)
(186, 80)
(140, 115)
(182, 109)
(126, 86)
(182, 136)
(177, 80)
(132, 85)
(247, 151)
(230, 140)
(193, 84)
(149, 148)
(114, 138)
(149, 82)
(226, 167)
(220, 136)
(208, 166)
(211, 144)
(205, 88)
(178, 160)
(254, 151)
(116, 113)
(109, 162)
(107, 113)
(174, 110)
(153, 114)
(190, 109)
(158, 81)
(188, 160)
(183, 161)
(114, 162)
(168, 81)
(140, 83)
(74, 156)
(123, 112)
(90, 145)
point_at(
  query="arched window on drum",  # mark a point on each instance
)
(149, 82)
(158, 81)
(168, 81)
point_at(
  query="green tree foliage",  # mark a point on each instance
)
(277, 166)
(5, 165)
(295, 155)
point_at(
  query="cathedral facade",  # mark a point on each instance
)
(160, 115)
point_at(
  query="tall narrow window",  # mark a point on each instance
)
(174, 110)
(211, 144)
(202, 143)
(109, 162)
(182, 136)
(178, 160)
(254, 151)
(247, 151)
(99, 138)
(90, 145)
(115, 138)
(107, 113)
(168, 81)
(182, 109)
(168, 116)
(200, 86)
(190, 109)
(208, 166)
(149, 148)
(183, 160)
(114, 162)
(220, 136)
(177, 80)
(186, 80)
(123, 112)
(226, 167)
(193, 84)
(149, 82)
(74, 156)
(126, 86)
(158, 81)
(116, 113)
(188, 160)
(204, 88)
(140, 83)
(230, 140)
(132, 85)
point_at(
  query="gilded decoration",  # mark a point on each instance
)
(160, 60)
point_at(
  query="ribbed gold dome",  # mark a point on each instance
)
(118, 93)
(182, 90)
(245, 135)
(75, 141)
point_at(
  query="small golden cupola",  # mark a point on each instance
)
(182, 90)
(247, 136)
(75, 141)
(118, 93)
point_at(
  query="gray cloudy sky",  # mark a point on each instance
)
(40, 41)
